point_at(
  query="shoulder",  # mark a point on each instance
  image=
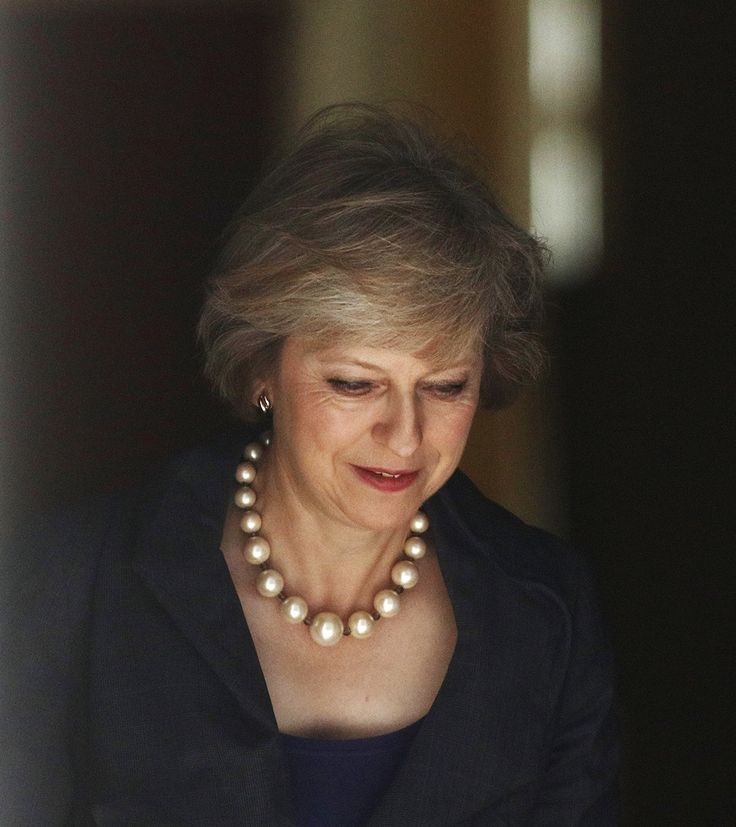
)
(505, 545)
(68, 539)
(48, 554)
(48, 564)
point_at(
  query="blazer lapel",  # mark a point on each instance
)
(179, 559)
(462, 758)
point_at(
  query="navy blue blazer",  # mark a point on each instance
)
(133, 695)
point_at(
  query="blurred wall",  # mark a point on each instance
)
(130, 131)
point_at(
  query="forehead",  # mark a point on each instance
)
(351, 352)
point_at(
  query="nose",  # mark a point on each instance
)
(400, 426)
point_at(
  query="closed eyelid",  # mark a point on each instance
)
(448, 389)
(450, 382)
(457, 379)
(460, 382)
(341, 381)
(351, 387)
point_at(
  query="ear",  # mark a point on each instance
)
(264, 379)
(258, 385)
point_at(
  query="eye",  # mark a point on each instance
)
(351, 387)
(447, 390)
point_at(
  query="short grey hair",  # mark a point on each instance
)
(371, 228)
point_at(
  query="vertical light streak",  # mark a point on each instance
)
(566, 182)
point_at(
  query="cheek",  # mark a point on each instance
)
(458, 426)
(303, 407)
(332, 424)
(451, 433)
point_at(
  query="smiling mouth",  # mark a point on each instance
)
(386, 481)
(379, 474)
(389, 475)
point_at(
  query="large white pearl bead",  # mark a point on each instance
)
(415, 548)
(326, 628)
(405, 574)
(253, 451)
(361, 624)
(294, 609)
(419, 523)
(387, 603)
(245, 497)
(245, 472)
(270, 583)
(251, 522)
(256, 550)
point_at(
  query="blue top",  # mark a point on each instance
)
(337, 783)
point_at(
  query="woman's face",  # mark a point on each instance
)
(365, 435)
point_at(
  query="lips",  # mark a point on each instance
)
(385, 479)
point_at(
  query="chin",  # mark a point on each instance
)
(387, 518)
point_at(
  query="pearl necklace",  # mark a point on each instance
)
(325, 628)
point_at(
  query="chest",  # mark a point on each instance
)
(359, 687)
(177, 709)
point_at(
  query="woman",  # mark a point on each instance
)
(331, 626)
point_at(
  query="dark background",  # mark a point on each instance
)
(649, 402)
(131, 134)
(123, 162)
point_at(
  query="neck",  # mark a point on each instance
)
(323, 558)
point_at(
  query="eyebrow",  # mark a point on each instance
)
(464, 365)
(355, 362)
